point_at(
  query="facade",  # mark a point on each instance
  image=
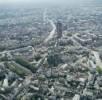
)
(59, 29)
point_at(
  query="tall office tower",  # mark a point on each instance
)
(59, 29)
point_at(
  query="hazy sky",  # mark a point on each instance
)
(43, 1)
(12, 1)
(26, 0)
(33, 1)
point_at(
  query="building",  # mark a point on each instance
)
(59, 29)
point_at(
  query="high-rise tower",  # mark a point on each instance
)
(59, 29)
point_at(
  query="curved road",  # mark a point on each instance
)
(52, 33)
(97, 59)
